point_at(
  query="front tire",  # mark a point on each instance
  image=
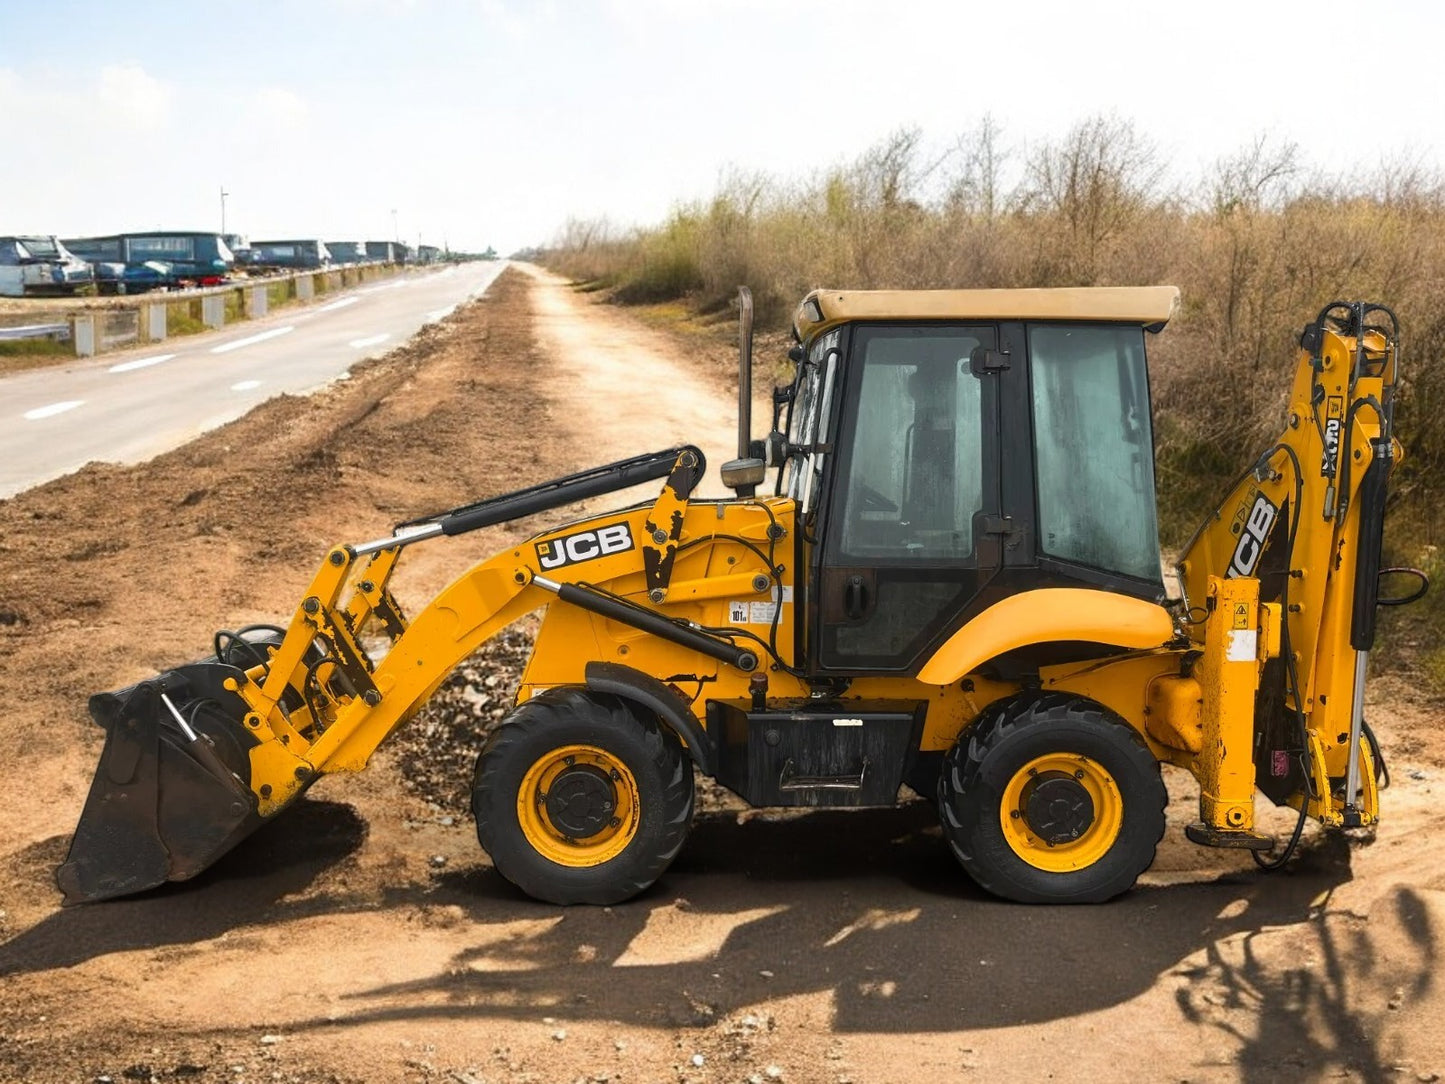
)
(580, 797)
(1053, 799)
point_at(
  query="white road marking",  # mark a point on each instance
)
(275, 332)
(339, 304)
(246, 385)
(139, 363)
(371, 340)
(52, 410)
(440, 314)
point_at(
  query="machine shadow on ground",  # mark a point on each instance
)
(867, 906)
(263, 880)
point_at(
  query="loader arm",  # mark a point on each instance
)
(343, 724)
(250, 729)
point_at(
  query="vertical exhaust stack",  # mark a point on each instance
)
(743, 474)
(745, 371)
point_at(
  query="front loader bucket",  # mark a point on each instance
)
(170, 794)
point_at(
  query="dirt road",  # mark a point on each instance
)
(364, 937)
(128, 406)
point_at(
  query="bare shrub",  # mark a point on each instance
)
(1258, 246)
(1084, 193)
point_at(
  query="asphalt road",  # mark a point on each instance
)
(127, 407)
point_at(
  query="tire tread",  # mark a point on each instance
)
(603, 715)
(962, 771)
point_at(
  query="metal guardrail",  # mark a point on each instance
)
(35, 331)
(149, 315)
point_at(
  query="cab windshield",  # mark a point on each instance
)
(812, 402)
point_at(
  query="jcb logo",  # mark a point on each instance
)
(584, 545)
(1252, 536)
(1334, 420)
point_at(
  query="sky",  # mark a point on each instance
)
(491, 122)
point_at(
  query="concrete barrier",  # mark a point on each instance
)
(148, 316)
(82, 334)
(153, 322)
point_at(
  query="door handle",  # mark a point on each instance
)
(855, 597)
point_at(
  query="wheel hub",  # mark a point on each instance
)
(1056, 807)
(581, 801)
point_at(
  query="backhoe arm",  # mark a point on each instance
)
(1305, 522)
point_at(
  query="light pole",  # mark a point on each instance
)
(395, 233)
(224, 194)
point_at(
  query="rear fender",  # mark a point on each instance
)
(1048, 614)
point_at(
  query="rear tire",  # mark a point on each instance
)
(581, 797)
(1053, 799)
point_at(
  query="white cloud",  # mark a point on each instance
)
(276, 108)
(518, 23)
(127, 94)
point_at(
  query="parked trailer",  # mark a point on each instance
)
(37, 265)
(133, 262)
(305, 255)
(387, 251)
(344, 252)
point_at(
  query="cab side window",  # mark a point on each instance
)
(1094, 447)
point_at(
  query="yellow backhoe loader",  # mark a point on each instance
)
(954, 586)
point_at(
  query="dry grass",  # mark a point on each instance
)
(1258, 246)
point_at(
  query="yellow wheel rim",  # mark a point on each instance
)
(1061, 812)
(578, 806)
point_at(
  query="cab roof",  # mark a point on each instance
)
(1149, 306)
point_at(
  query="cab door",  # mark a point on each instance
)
(911, 515)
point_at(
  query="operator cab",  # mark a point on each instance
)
(948, 449)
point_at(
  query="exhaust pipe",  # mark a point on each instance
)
(745, 372)
(743, 474)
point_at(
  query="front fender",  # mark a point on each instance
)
(668, 705)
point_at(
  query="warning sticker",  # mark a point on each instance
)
(1241, 646)
(761, 613)
(758, 613)
(1241, 615)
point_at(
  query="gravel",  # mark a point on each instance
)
(437, 751)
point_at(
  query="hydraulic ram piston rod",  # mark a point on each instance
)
(651, 621)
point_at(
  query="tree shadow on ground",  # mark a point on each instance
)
(1322, 1007)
